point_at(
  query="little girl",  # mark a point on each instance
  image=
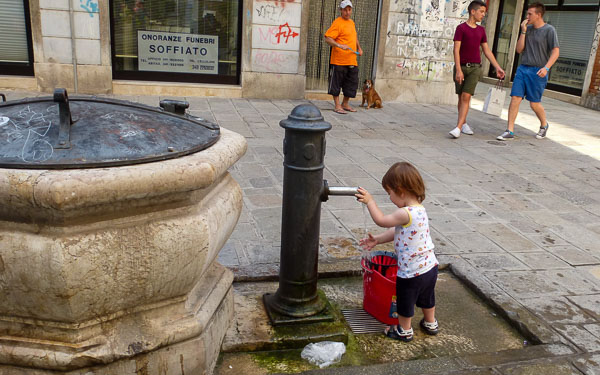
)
(409, 229)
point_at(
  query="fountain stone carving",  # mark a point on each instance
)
(111, 220)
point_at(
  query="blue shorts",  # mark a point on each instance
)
(528, 84)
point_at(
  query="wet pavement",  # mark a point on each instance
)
(253, 346)
(517, 221)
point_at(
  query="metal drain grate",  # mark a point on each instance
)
(361, 322)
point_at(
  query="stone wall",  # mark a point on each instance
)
(275, 59)
(56, 26)
(416, 61)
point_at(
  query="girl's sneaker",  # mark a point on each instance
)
(400, 334)
(429, 328)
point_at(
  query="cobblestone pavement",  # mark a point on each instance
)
(520, 218)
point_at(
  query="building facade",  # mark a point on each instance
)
(270, 48)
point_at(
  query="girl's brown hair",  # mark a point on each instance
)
(403, 176)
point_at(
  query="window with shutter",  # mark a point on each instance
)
(15, 38)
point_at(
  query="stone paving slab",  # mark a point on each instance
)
(532, 205)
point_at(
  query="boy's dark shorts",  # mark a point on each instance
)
(419, 290)
(471, 74)
(344, 77)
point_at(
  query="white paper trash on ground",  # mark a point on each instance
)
(494, 101)
(323, 353)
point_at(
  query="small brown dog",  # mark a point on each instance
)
(370, 95)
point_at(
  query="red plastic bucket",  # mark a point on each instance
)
(379, 285)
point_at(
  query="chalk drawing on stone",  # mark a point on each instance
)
(420, 70)
(277, 13)
(275, 61)
(404, 6)
(282, 37)
(411, 29)
(424, 48)
(90, 6)
(460, 8)
(276, 36)
(432, 15)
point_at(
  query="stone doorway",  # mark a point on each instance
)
(321, 14)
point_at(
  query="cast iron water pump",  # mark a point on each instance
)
(296, 299)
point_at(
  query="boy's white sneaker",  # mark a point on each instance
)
(455, 133)
(467, 129)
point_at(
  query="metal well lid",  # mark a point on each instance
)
(85, 132)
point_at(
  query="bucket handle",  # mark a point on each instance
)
(362, 264)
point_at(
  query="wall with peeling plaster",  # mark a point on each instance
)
(417, 58)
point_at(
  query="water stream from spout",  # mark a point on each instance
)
(365, 253)
(364, 209)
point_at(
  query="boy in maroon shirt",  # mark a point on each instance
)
(467, 63)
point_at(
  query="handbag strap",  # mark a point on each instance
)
(499, 84)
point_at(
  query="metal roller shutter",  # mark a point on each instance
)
(13, 32)
(575, 32)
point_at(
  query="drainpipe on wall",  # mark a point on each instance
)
(374, 73)
(73, 48)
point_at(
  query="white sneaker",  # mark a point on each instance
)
(467, 129)
(455, 132)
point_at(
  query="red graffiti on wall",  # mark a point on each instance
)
(285, 33)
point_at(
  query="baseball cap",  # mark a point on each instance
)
(346, 3)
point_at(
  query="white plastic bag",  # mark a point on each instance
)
(323, 353)
(494, 101)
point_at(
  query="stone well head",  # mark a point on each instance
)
(111, 217)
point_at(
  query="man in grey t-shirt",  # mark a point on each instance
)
(538, 44)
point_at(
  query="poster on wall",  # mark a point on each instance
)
(161, 51)
(568, 72)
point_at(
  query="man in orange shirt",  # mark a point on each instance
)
(343, 73)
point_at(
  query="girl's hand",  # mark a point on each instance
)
(368, 243)
(363, 196)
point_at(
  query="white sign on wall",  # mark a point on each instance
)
(178, 52)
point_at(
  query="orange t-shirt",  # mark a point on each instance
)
(343, 32)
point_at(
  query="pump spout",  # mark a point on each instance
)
(337, 190)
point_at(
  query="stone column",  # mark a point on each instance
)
(273, 67)
(72, 45)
